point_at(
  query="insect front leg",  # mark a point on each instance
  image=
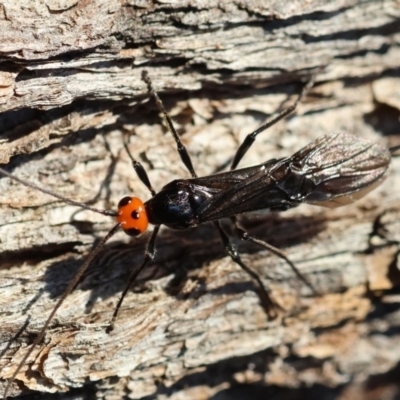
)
(267, 302)
(183, 153)
(150, 251)
(148, 257)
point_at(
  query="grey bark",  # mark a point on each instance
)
(193, 326)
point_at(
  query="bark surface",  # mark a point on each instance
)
(193, 326)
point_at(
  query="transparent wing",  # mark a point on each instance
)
(332, 171)
(336, 170)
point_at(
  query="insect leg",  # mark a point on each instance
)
(251, 137)
(140, 171)
(149, 256)
(149, 252)
(71, 286)
(185, 157)
(243, 235)
(269, 305)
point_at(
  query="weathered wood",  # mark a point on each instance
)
(71, 87)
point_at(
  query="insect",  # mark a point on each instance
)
(331, 171)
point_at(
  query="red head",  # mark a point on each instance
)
(132, 216)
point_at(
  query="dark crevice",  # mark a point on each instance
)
(384, 119)
(355, 34)
(34, 255)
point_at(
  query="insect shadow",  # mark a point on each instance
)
(181, 256)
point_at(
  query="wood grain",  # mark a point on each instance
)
(193, 327)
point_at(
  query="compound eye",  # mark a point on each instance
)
(132, 216)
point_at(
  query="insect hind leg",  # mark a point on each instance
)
(267, 302)
(251, 137)
(243, 235)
